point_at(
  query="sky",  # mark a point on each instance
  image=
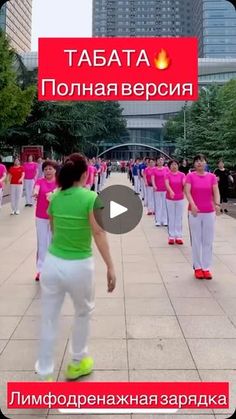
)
(73, 18)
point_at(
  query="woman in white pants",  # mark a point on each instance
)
(3, 175)
(31, 173)
(159, 187)
(147, 176)
(16, 178)
(175, 202)
(43, 189)
(202, 192)
(69, 268)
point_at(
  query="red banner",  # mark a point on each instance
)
(102, 397)
(118, 69)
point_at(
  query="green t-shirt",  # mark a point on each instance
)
(72, 234)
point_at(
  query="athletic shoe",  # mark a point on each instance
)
(157, 225)
(149, 213)
(17, 212)
(153, 213)
(226, 211)
(75, 370)
(37, 278)
(221, 210)
(12, 213)
(199, 274)
(207, 275)
(179, 241)
(26, 205)
(171, 241)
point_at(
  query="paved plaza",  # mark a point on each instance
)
(160, 324)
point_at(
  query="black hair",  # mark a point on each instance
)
(172, 161)
(51, 163)
(199, 157)
(72, 170)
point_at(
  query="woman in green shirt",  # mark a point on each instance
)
(69, 267)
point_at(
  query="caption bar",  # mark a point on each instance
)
(130, 397)
(118, 69)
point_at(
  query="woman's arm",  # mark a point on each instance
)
(3, 177)
(153, 183)
(169, 189)
(216, 195)
(22, 177)
(100, 239)
(187, 190)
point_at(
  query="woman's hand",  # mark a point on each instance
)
(172, 195)
(111, 279)
(194, 210)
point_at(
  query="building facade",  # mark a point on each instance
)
(140, 18)
(215, 26)
(16, 22)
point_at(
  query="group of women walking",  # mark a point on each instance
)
(164, 195)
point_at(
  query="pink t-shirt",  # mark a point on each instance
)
(90, 175)
(42, 200)
(148, 173)
(202, 190)
(159, 176)
(176, 181)
(30, 170)
(2, 171)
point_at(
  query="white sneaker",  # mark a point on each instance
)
(157, 225)
(12, 213)
(17, 212)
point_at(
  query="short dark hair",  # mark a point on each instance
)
(172, 161)
(51, 163)
(199, 157)
(72, 170)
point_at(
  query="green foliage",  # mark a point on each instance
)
(210, 125)
(15, 102)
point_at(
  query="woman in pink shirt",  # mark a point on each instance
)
(202, 192)
(159, 187)
(31, 170)
(44, 187)
(175, 202)
(3, 174)
(147, 176)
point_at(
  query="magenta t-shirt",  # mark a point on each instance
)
(90, 175)
(30, 170)
(159, 176)
(148, 173)
(42, 201)
(202, 190)
(2, 171)
(176, 181)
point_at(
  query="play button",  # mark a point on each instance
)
(118, 210)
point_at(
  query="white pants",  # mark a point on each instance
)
(150, 199)
(44, 236)
(29, 186)
(1, 196)
(96, 184)
(60, 276)
(202, 235)
(160, 208)
(142, 187)
(16, 194)
(175, 211)
(136, 184)
(103, 179)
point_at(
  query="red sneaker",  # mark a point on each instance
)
(179, 241)
(199, 274)
(37, 278)
(171, 241)
(207, 275)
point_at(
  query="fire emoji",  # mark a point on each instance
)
(161, 60)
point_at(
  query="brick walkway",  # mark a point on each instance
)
(159, 325)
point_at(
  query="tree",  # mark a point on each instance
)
(15, 103)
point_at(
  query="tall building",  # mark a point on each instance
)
(215, 26)
(142, 18)
(16, 22)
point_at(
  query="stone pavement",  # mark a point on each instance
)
(159, 325)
